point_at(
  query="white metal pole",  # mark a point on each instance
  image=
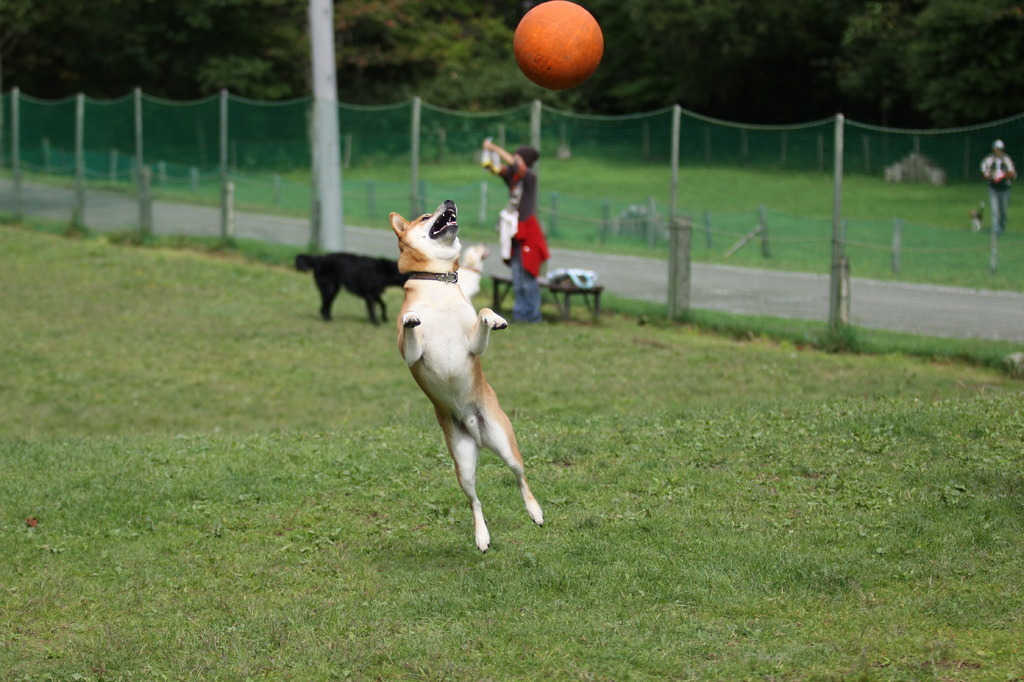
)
(327, 153)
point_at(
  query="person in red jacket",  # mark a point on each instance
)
(523, 247)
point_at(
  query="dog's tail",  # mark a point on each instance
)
(305, 262)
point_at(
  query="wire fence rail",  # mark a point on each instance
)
(625, 177)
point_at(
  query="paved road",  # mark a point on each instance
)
(913, 308)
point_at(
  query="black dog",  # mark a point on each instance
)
(363, 276)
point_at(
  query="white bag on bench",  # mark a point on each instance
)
(581, 279)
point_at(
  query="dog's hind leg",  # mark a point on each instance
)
(328, 291)
(497, 435)
(372, 311)
(372, 299)
(465, 453)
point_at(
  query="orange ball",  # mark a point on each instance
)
(558, 45)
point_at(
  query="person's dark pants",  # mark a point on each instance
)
(999, 200)
(526, 307)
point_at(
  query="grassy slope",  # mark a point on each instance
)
(226, 487)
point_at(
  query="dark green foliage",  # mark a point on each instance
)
(907, 63)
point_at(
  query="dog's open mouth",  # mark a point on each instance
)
(445, 224)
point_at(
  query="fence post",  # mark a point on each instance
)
(897, 245)
(138, 139)
(229, 198)
(414, 154)
(766, 251)
(680, 238)
(224, 198)
(535, 119)
(16, 150)
(993, 252)
(835, 292)
(707, 228)
(653, 226)
(78, 217)
(112, 168)
(552, 226)
(844, 288)
(606, 220)
(677, 112)
(145, 202)
(483, 202)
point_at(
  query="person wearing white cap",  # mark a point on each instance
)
(998, 169)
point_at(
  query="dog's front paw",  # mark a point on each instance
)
(410, 320)
(492, 319)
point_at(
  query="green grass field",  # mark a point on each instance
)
(201, 480)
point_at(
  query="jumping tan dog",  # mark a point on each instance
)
(442, 338)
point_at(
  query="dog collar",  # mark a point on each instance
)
(447, 277)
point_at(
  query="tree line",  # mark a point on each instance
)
(905, 63)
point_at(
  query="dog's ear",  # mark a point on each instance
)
(398, 224)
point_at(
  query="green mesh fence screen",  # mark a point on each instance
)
(636, 139)
(48, 141)
(707, 142)
(375, 135)
(452, 137)
(269, 136)
(181, 135)
(937, 156)
(109, 126)
(607, 183)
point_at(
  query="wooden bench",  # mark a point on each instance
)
(562, 291)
